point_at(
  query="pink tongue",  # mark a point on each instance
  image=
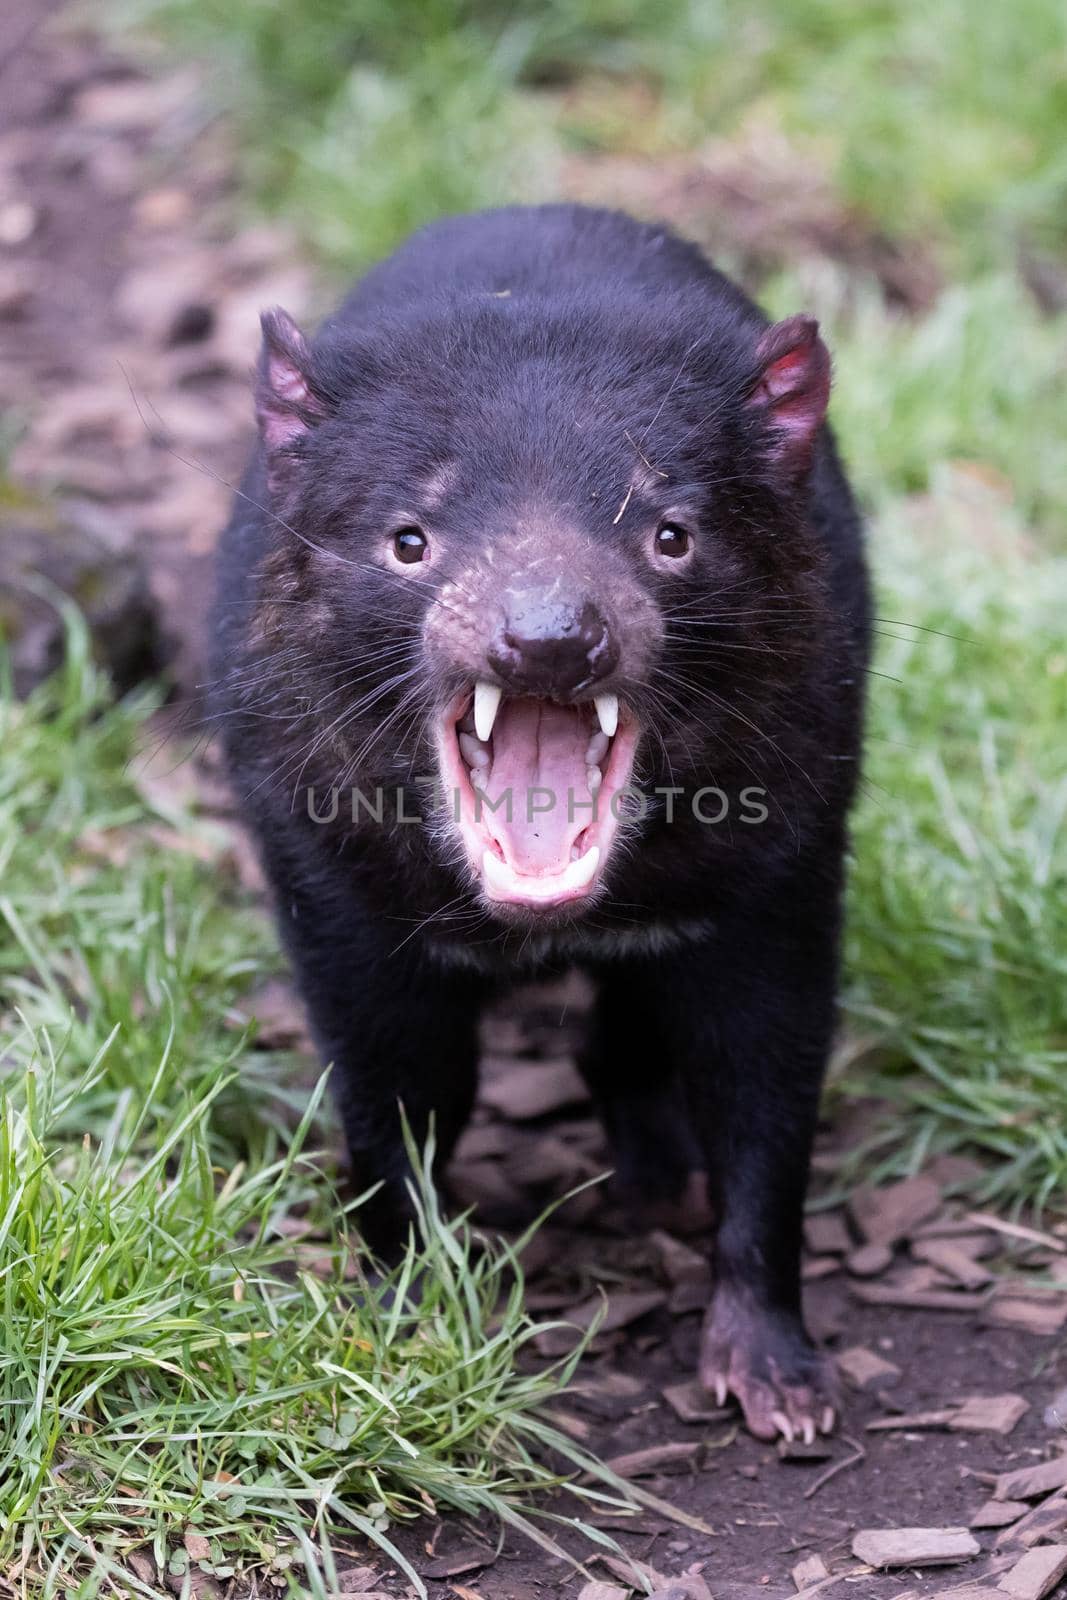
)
(539, 754)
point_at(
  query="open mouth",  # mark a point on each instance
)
(532, 784)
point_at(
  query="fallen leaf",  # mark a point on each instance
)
(453, 1564)
(1016, 1230)
(357, 1580)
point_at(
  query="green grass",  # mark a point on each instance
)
(976, 384)
(933, 120)
(188, 1343)
(957, 949)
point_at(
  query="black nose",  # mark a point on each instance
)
(548, 645)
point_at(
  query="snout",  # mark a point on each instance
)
(548, 644)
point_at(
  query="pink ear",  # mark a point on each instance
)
(793, 388)
(286, 402)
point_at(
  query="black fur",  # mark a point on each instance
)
(581, 375)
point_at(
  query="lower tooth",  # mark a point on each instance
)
(594, 778)
(479, 777)
(475, 753)
(598, 749)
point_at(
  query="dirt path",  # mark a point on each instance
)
(127, 326)
(128, 311)
(533, 1140)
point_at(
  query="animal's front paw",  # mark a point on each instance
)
(767, 1361)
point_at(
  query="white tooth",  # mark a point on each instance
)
(597, 749)
(486, 701)
(473, 751)
(494, 871)
(587, 866)
(479, 777)
(594, 778)
(607, 710)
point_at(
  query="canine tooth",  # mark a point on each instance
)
(607, 710)
(479, 777)
(494, 871)
(588, 864)
(473, 751)
(594, 778)
(486, 702)
(597, 749)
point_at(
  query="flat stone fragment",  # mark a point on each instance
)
(914, 1547)
(692, 1403)
(869, 1260)
(1026, 1483)
(796, 1452)
(916, 1421)
(603, 1591)
(866, 1369)
(886, 1215)
(887, 1294)
(1045, 1520)
(826, 1234)
(523, 1091)
(969, 1592)
(671, 1457)
(811, 1570)
(947, 1256)
(816, 1267)
(680, 1262)
(998, 1513)
(1043, 1317)
(686, 1298)
(1037, 1574)
(990, 1413)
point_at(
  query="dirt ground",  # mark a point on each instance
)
(128, 309)
(767, 1512)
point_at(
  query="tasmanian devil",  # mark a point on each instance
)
(540, 641)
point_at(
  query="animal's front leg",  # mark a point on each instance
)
(397, 1029)
(752, 1017)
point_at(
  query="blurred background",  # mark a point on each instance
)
(167, 167)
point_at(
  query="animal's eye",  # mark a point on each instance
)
(672, 540)
(410, 545)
